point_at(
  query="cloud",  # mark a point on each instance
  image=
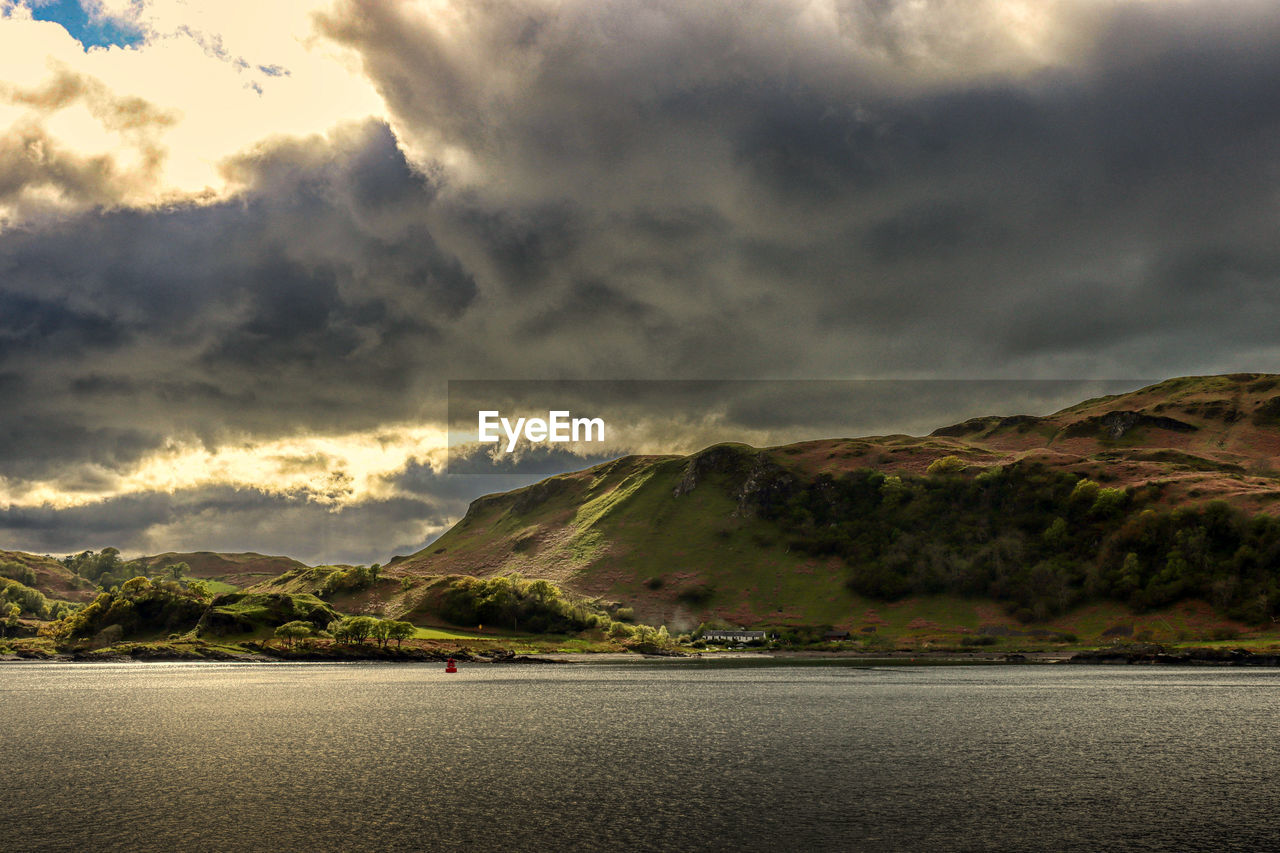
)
(147, 124)
(223, 519)
(306, 305)
(39, 172)
(418, 192)
(867, 178)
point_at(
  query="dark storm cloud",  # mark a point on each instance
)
(717, 190)
(33, 444)
(314, 300)
(32, 325)
(903, 212)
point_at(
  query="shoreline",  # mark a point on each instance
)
(1113, 656)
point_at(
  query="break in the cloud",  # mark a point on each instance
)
(280, 225)
(149, 119)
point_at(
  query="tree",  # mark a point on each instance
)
(542, 591)
(135, 586)
(503, 598)
(175, 571)
(893, 492)
(340, 631)
(352, 629)
(200, 589)
(10, 612)
(1056, 535)
(381, 632)
(400, 631)
(1108, 503)
(291, 632)
(362, 627)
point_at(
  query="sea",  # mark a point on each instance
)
(754, 755)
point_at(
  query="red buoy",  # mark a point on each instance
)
(450, 665)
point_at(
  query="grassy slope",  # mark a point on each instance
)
(53, 579)
(620, 531)
(235, 570)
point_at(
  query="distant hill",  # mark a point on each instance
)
(58, 582)
(1151, 514)
(829, 531)
(239, 570)
(52, 578)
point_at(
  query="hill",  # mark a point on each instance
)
(48, 576)
(1133, 503)
(237, 570)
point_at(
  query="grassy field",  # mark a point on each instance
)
(449, 634)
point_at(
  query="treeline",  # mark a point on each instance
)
(536, 606)
(1039, 539)
(105, 569)
(541, 607)
(351, 579)
(101, 568)
(17, 582)
(357, 629)
(138, 605)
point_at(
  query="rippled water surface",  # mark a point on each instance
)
(636, 756)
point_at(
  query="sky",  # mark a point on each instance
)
(245, 247)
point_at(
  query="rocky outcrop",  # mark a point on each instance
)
(727, 459)
(973, 426)
(1115, 425)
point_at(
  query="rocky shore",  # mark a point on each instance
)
(262, 652)
(1154, 654)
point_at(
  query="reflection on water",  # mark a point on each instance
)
(636, 757)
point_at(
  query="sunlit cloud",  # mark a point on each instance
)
(215, 79)
(332, 470)
(240, 240)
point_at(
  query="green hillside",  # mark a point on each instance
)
(1138, 506)
(234, 570)
(45, 574)
(1149, 516)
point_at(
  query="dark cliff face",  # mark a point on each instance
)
(975, 426)
(751, 477)
(1110, 426)
(1115, 425)
(728, 460)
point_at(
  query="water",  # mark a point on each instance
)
(636, 756)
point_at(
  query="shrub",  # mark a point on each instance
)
(17, 571)
(696, 596)
(946, 465)
(347, 580)
(29, 600)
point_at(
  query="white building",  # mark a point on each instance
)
(734, 636)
